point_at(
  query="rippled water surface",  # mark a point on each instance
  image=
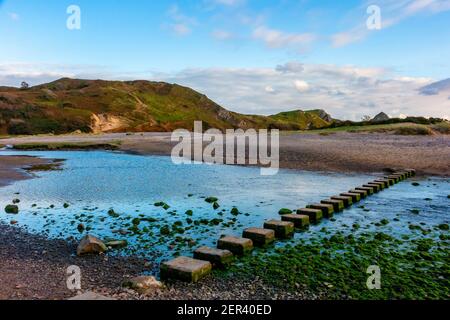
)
(92, 183)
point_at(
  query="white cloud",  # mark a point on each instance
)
(277, 39)
(222, 35)
(180, 24)
(269, 89)
(301, 86)
(13, 16)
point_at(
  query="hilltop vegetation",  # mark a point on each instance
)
(68, 105)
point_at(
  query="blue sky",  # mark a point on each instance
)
(274, 55)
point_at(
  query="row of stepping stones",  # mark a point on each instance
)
(206, 258)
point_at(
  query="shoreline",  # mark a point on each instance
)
(337, 152)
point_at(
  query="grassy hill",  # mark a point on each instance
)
(69, 105)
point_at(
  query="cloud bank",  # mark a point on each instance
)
(347, 92)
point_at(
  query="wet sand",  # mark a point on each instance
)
(338, 152)
(12, 168)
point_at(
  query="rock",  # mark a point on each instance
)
(90, 296)
(211, 199)
(13, 222)
(90, 244)
(380, 117)
(185, 269)
(81, 228)
(12, 209)
(143, 284)
(117, 244)
(284, 211)
(315, 215)
(16, 201)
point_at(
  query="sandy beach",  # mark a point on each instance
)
(338, 152)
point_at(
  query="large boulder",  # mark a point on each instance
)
(143, 284)
(380, 117)
(91, 245)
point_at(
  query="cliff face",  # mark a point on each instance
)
(68, 105)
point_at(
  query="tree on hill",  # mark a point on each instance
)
(24, 85)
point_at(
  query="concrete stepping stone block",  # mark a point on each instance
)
(282, 229)
(376, 188)
(338, 205)
(348, 201)
(238, 246)
(315, 215)
(370, 190)
(355, 196)
(218, 258)
(185, 269)
(395, 178)
(387, 182)
(362, 193)
(381, 184)
(299, 220)
(327, 209)
(412, 172)
(260, 237)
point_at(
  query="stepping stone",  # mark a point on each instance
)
(327, 209)
(370, 190)
(385, 183)
(299, 220)
(348, 201)
(238, 246)
(401, 174)
(283, 229)
(355, 196)
(218, 258)
(185, 269)
(338, 205)
(362, 193)
(375, 187)
(412, 172)
(90, 296)
(380, 187)
(381, 184)
(260, 237)
(315, 215)
(395, 178)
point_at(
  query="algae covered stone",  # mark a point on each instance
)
(238, 246)
(259, 236)
(185, 269)
(284, 211)
(219, 258)
(12, 209)
(283, 229)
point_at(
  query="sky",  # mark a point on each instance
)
(351, 58)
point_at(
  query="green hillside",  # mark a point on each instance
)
(69, 105)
